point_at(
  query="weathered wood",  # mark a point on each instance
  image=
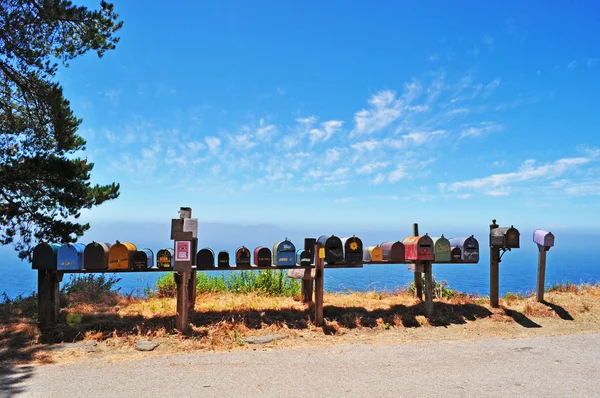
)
(416, 267)
(428, 289)
(182, 280)
(307, 290)
(418, 275)
(306, 274)
(494, 276)
(319, 286)
(541, 277)
(48, 298)
(192, 290)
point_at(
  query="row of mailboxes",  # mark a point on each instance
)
(97, 256)
(285, 255)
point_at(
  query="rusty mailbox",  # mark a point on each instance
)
(332, 247)
(164, 259)
(441, 250)
(284, 253)
(419, 248)
(372, 253)
(304, 257)
(120, 255)
(223, 259)
(393, 252)
(353, 249)
(262, 256)
(142, 260)
(465, 250)
(205, 258)
(504, 238)
(95, 256)
(242, 257)
(70, 256)
(45, 256)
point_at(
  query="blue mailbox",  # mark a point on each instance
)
(70, 256)
(284, 253)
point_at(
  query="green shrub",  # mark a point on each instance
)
(440, 289)
(91, 287)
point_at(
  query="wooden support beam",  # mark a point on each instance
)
(428, 289)
(541, 277)
(192, 290)
(182, 280)
(418, 275)
(48, 298)
(319, 286)
(494, 277)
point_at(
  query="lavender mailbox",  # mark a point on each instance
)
(544, 241)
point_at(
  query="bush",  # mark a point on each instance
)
(91, 287)
(440, 289)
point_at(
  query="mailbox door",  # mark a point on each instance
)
(334, 249)
(223, 259)
(470, 250)
(512, 238)
(456, 255)
(441, 250)
(425, 249)
(95, 256)
(262, 256)
(376, 253)
(353, 249)
(164, 258)
(45, 256)
(410, 244)
(393, 251)
(242, 257)
(120, 255)
(140, 260)
(70, 256)
(205, 258)
(285, 253)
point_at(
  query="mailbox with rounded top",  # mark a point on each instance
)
(45, 256)
(465, 250)
(393, 251)
(223, 259)
(70, 256)
(205, 258)
(262, 256)
(95, 256)
(372, 253)
(353, 249)
(544, 239)
(143, 259)
(504, 238)
(164, 259)
(120, 255)
(242, 257)
(441, 250)
(304, 257)
(333, 247)
(284, 253)
(419, 248)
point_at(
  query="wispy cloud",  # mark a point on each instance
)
(480, 130)
(572, 64)
(488, 41)
(385, 108)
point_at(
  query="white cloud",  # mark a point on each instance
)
(490, 87)
(412, 90)
(480, 130)
(242, 142)
(385, 109)
(265, 133)
(379, 178)
(572, 65)
(397, 174)
(369, 145)
(327, 130)
(213, 143)
(195, 145)
(369, 168)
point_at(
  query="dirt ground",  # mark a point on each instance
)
(110, 329)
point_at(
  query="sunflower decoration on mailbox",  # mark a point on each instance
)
(353, 249)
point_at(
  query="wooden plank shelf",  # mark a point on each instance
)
(255, 268)
(104, 271)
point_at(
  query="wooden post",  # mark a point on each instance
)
(182, 281)
(319, 285)
(307, 290)
(541, 274)
(48, 298)
(192, 290)
(428, 289)
(418, 276)
(494, 271)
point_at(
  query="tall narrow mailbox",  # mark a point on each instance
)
(45, 256)
(70, 256)
(206, 258)
(284, 253)
(419, 248)
(333, 248)
(353, 249)
(164, 258)
(441, 250)
(142, 260)
(242, 257)
(120, 255)
(372, 253)
(465, 250)
(95, 256)
(262, 256)
(223, 259)
(393, 252)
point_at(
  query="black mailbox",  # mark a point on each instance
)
(95, 256)
(206, 258)
(353, 249)
(223, 259)
(242, 257)
(504, 238)
(45, 256)
(304, 257)
(164, 258)
(465, 250)
(333, 247)
(142, 259)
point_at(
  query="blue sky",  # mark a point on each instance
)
(347, 114)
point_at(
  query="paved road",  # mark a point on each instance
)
(544, 366)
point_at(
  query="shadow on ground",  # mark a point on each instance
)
(560, 311)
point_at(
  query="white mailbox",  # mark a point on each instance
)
(544, 239)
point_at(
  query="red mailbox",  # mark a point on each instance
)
(419, 248)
